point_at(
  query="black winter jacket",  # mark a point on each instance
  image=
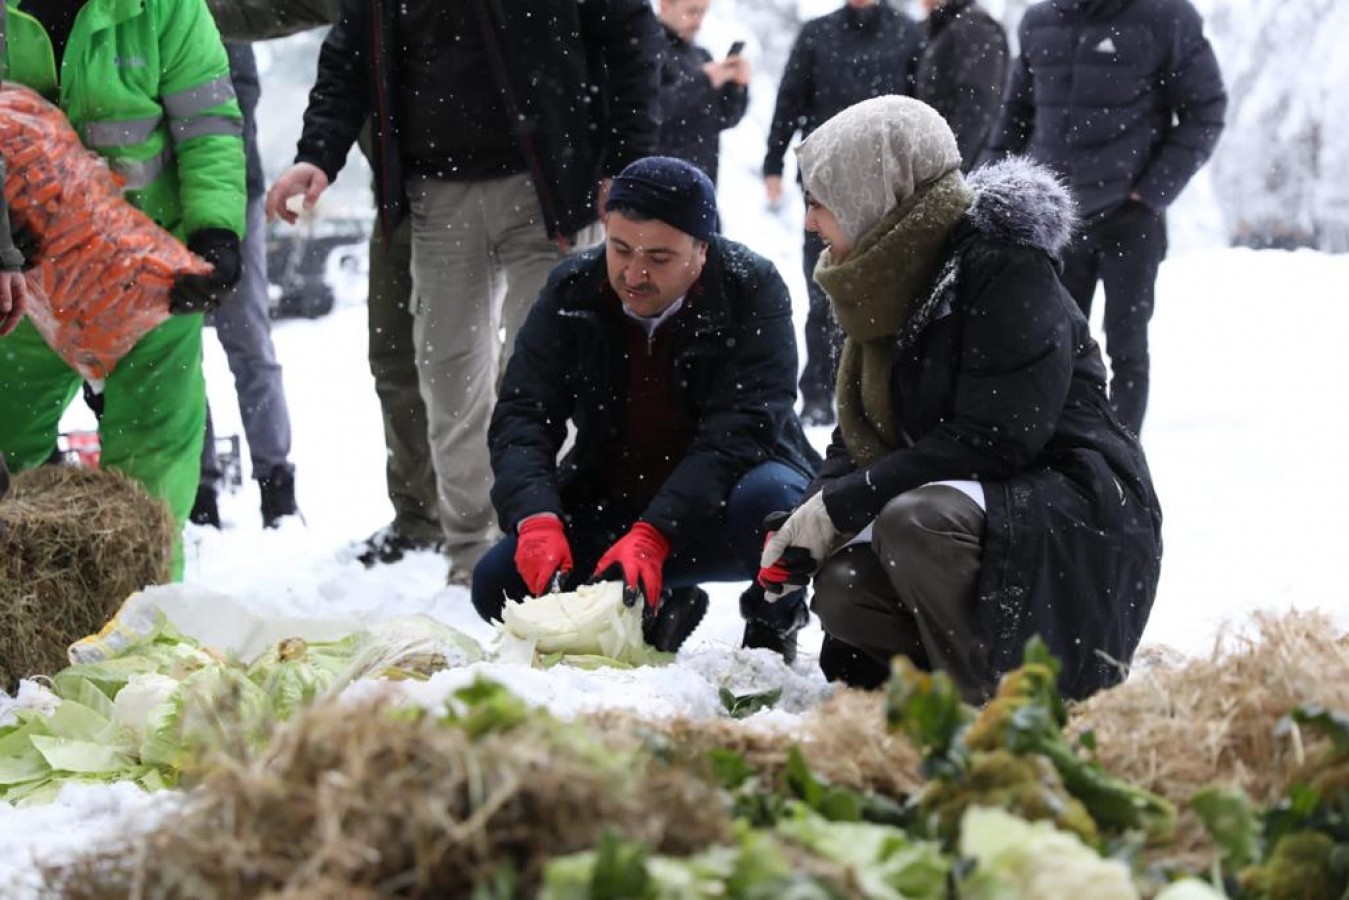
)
(1117, 96)
(1006, 386)
(962, 72)
(838, 60)
(693, 113)
(734, 362)
(580, 78)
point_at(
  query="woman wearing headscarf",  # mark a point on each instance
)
(978, 489)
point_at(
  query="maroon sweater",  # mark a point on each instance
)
(656, 432)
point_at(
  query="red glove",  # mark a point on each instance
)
(640, 554)
(541, 551)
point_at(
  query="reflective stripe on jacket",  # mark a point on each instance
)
(146, 84)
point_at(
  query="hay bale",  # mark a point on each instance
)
(360, 800)
(74, 543)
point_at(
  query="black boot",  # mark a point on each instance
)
(855, 668)
(388, 545)
(679, 612)
(278, 495)
(204, 509)
(773, 626)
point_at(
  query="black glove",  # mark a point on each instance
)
(26, 242)
(203, 293)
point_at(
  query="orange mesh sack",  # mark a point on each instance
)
(104, 268)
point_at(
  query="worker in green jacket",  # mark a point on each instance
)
(146, 84)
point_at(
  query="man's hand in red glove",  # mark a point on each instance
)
(541, 551)
(640, 556)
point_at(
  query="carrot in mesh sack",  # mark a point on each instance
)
(105, 268)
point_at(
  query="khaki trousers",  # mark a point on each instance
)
(480, 254)
(912, 591)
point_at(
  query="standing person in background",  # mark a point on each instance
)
(699, 97)
(865, 49)
(173, 133)
(501, 175)
(1124, 99)
(244, 328)
(963, 71)
(409, 474)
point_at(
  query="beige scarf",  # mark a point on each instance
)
(878, 291)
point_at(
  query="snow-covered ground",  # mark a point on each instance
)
(1241, 437)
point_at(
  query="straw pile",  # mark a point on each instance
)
(74, 543)
(353, 802)
(350, 801)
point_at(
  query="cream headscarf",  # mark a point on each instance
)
(872, 156)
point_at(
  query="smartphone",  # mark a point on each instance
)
(735, 49)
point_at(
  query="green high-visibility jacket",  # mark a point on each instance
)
(146, 84)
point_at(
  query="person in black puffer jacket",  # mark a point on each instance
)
(979, 489)
(1124, 100)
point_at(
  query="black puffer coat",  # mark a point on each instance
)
(1006, 386)
(962, 72)
(734, 365)
(581, 79)
(1117, 96)
(840, 59)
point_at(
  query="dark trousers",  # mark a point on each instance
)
(823, 337)
(1124, 250)
(910, 592)
(409, 476)
(725, 548)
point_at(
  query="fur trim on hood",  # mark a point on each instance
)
(1020, 202)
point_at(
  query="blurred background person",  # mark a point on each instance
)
(864, 49)
(699, 97)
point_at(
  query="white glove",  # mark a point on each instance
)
(809, 528)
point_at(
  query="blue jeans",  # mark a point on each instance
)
(724, 548)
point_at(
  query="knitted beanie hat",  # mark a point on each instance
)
(676, 192)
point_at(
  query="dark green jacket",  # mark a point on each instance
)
(260, 20)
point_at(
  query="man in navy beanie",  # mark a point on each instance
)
(671, 351)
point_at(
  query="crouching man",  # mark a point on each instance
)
(671, 351)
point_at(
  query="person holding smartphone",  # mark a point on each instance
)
(699, 97)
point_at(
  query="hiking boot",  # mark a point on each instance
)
(278, 495)
(679, 612)
(388, 544)
(773, 626)
(817, 413)
(204, 508)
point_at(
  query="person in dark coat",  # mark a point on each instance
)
(979, 489)
(496, 126)
(962, 71)
(864, 49)
(1124, 99)
(699, 97)
(671, 351)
